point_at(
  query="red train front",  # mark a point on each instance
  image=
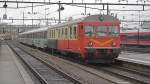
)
(99, 38)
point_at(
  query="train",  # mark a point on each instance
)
(94, 38)
(135, 38)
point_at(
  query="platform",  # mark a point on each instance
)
(11, 70)
(137, 57)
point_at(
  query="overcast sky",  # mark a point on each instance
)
(74, 12)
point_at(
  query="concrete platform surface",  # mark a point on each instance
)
(11, 71)
(137, 57)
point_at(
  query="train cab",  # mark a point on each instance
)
(99, 37)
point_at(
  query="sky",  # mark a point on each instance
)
(74, 12)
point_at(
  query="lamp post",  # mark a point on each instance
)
(59, 11)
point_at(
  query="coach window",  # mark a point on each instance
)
(144, 37)
(30, 35)
(36, 35)
(65, 33)
(42, 34)
(39, 34)
(62, 33)
(45, 34)
(75, 31)
(89, 31)
(70, 32)
(54, 34)
(60, 30)
(59, 33)
(33, 35)
(50, 33)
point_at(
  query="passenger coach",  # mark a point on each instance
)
(135, 38)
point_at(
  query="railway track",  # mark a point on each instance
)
(136, 77)
(133, 72)
(45, 74)
(126, 72)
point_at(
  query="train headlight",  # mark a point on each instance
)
(113, 44)
(90, 44)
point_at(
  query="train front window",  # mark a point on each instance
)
(113, 31)
(101, 31)
(89, 31)
(107, 31)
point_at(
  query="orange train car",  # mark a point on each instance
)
(94, 38)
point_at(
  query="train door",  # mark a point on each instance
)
(81, 39)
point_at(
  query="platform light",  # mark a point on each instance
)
(62, 8)
(5, 16)
(5, 5)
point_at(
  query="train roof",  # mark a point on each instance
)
(143, 31)
(35, 30)
(92, 18)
